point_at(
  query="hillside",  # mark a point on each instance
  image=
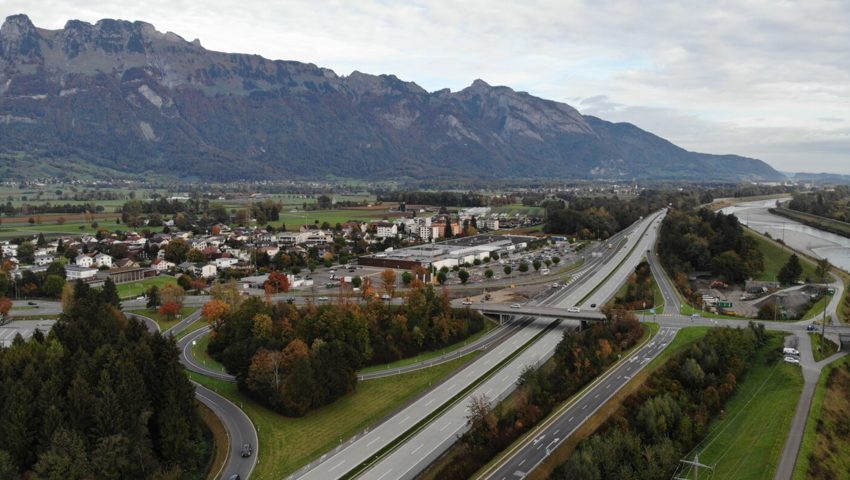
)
(119, 96)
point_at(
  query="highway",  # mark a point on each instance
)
(526, 456)
(356, 451)
(416, 453)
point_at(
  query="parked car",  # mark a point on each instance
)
(323, 299)
(247, 450)
(811, 327)
(467, 302)
(795, 361)
(516, 305)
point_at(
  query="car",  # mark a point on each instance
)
(235, 476)
(323, 299)
(574, 310)
(694, 315)
(140, 298)
(811, 327)
(290, 300)
(592, 305)
(516, 305)
(795, 361)
(32, 303)
(466, 302)
(246, 450)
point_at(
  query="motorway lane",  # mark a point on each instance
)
(339, 462)
(526, 456)
(415, 454)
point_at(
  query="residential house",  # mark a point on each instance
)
(84, 261)
(79, 272)
(103, 260)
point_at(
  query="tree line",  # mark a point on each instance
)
(99, 397)
(669, 415)
(579, 358)
(833, 203)
(294, 359)
(639, 293)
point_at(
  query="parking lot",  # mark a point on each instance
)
(25, 328)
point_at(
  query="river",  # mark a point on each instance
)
(812, 241)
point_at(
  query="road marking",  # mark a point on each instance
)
(385, 474)
(335, 466)
(373, 441)
(417, 449)
(446, 426)
(470, 373)
(430, 402)
(584, 407)
(522, 462)
(404, 419)
(596, 396)
(452, 386)
(569, 420)
(607, 385)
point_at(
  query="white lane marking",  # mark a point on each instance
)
(445, 426)
(584, 407)
(385, 474)
(570, 419)
(417, 449)
(596, 396)
(430, 402)
(373, 441)
(452, 386)
(404, 419)
(335, 466)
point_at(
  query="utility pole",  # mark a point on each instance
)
(695, 463)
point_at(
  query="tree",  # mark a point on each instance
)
(556, 260)
(214, 311)
(463, 275)
(67, 296)
(523, 267)
(536, 264)
(406, 278)
(356, 282)
(109, 293)
(228, 293)
(822, 270)
(170, 310)
(508, 269)
(176, 250)
(494, 256)
(441, 277)
(5, 307)
(153, 297)
(278, 282)
(171, 293)
(388, 281)
(488, 273)
(791, 271)
(195, 256)
(26, 253)
(185, 282)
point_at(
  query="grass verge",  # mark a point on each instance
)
(831, 399)
(199, 351)
(163, 322)
(822, 347)
(287, 444)
(775, 256)
(221, 442)
(134, 289)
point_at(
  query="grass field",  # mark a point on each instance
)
(775, 256)
(199, 351)
(830, 409)
(745, 443)
(816, 312)
(293, 220)
(287, 444)
(488, 326)
(164, 323)
(824, 350)
(132, 290)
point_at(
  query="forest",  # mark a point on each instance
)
(99, 397)
(579, 358)
(294, 359)
(703, 240)
(834, 203)
(638, 293)
(661, 422)
(601, 217)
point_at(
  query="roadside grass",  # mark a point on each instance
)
(684, 337)
(746, 442)
(201, 323)
(489, 325)
(164, 323)
(829, 409)
(689, 310)
(134, 289)
(823, 223)
(287, 444)
(777, 255)
(817, 309)
(822, 347)
(220, 442)
(199, 351)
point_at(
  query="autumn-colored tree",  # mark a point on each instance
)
(214, 311)
(388, 279)
(5, 307)
(169, 310)
(199, 284)
(366, 289)
(278, 282)
(172, 293)
(263, 327)
(216, 230)
(67, 296)
(228, 293)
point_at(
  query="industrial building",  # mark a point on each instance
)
(447, 254)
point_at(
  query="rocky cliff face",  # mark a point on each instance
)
(123, 96)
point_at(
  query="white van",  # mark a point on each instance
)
(544, 271)
(790, 351)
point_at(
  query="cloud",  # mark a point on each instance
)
(707, 75)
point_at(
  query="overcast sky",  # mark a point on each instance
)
(767, 79)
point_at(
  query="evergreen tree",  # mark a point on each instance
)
(791, 271)
(109, 293)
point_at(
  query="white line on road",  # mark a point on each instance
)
(372, 441)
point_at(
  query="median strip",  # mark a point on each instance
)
(389, 448)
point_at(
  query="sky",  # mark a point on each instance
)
(766, 79)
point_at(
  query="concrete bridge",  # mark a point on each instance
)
(506, 312)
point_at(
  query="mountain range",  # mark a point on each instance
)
(119, 97)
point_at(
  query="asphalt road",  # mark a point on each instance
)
(191, 363)
(525, 457)
(416, 453)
